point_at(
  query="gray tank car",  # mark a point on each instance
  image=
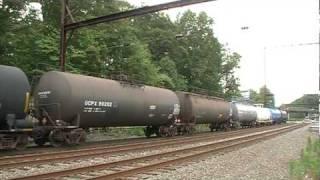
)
(201, 109)
(284, 116)
(243, 115)
(14, 95)
(66, 103)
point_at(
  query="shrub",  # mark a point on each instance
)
(308, 166)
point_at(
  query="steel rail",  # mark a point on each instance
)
(99, 151)
(215, 150)
(156, 156)
(28, 157)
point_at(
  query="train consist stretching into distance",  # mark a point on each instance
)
(65, 104)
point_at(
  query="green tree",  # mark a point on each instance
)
(144, 48)
(265, 97)
(158, 32)
(229, 81)
(199, 57)
(10, 19)
(169, 70)
(253, 96)
(307, 101)
(107, 48)
(20, 35)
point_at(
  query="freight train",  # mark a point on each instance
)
(65, 104)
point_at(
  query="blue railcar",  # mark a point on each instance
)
(275, 116)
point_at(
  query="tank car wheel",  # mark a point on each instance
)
(163, 131)
(147, 132)
(226, 127)
(192, 130)
(179, 130)
(253, 124)
(40, 141)
(211, 127)
(188, 130)
(172, 131)
(56, 138)
(22, 142)
(39, 135)
(75, 136)
(157, 132)
(83, 137)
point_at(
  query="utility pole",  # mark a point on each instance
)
(319, 68)
(63, 35)
(265, 77)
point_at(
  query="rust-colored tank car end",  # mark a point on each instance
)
(201, 109)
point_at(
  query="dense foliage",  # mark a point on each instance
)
(183, 54)
(307, 101)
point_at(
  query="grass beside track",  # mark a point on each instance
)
(118, 131)
(133, 131)
(308, 166)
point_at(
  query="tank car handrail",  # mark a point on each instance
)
(133, 84)
(201, 95)
(16, 130)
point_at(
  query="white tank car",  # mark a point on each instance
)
(263, 116)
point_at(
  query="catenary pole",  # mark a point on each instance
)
(319, 69)
(65, 27)
(63, 35)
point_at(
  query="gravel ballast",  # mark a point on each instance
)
(265, 160)
(59, 166)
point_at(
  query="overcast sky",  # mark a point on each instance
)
(277, 26)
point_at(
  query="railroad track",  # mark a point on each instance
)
(134, 166)
(35, 159)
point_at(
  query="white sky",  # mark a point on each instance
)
(278, 25)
